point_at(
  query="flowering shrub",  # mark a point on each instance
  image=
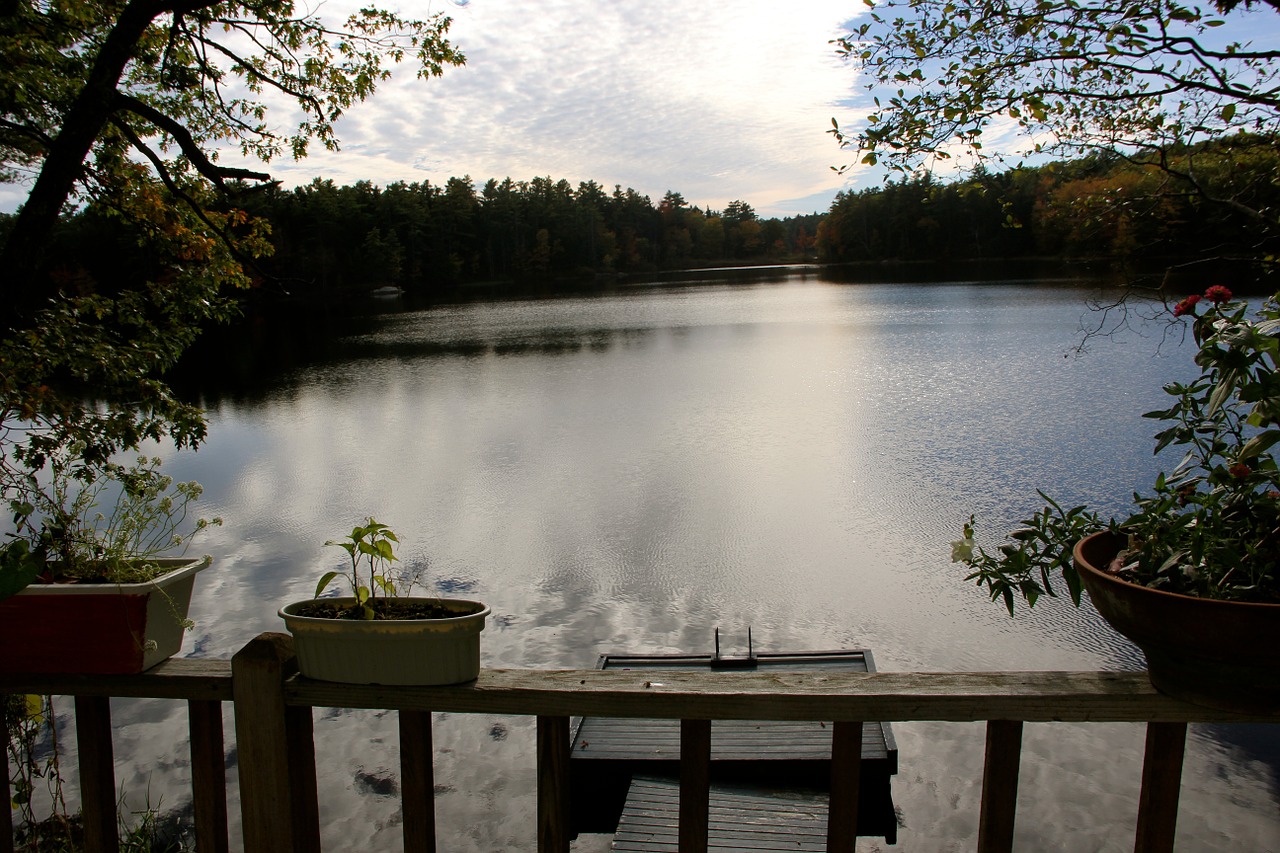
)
(1211, 527)
(105, 523)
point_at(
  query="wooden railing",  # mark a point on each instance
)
(276, 752)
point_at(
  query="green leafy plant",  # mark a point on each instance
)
(371, 545)
(1211, 527)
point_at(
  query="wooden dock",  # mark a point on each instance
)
(739, 818)
(766, 767)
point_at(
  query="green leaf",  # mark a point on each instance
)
(1220, 394)
(1259, 444)
(325, 580)
(1074, 584)
(18, 567)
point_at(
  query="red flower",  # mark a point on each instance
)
(1239, 470)
(1186, 306)
(1217, 294)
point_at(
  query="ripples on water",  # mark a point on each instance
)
(629, 472)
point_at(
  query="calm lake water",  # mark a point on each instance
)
(627, 473)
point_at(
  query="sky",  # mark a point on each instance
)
(717, 100)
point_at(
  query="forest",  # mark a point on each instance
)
(1104, 206)
(430, 239)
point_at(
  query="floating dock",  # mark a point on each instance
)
(739, 818)
(623, 772)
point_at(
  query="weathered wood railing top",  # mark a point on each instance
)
(277, 760)
(835, 696)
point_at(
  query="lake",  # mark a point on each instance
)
(629, 472)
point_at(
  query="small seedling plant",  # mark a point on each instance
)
(371, 546)
(376, 592)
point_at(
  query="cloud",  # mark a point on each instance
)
(718, 101)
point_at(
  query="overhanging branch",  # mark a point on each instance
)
(190, 148)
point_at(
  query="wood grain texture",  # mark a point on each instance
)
(612, 738)
(846, 775)
(1000, 786)
(186, 678)
(695, 784)
(553, 784)
(1161, 786)
(738, 819)
(208, 776)
(417, 782)
(97, 774)
(886, 696)
(264, 742)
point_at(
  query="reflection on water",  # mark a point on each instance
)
(630, 472)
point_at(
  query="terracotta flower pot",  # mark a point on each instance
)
(389, 651)
(1220, 654)
(97, 628)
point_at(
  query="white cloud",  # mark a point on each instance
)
(717, 101)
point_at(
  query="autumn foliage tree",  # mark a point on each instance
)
(153, 113)
(1149, 81)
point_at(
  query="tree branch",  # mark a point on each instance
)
(190, 148)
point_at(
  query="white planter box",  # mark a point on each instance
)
(389, 651)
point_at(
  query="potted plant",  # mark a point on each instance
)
(92, 578)
(1192, 575)
(377, 635)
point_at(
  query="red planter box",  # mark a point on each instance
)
(98, 629)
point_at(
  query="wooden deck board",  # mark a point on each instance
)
(614, 738)
(739, 819)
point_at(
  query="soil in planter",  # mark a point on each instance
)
(56, 575)
(383, 609)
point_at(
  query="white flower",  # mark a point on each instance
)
(962, 550)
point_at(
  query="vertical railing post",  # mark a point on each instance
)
(846, 779)
(97, 774)
(1000, 786)
(208, 775)
(553, 785)
(695, 785)
(275, 749)
(1161, 785)
(417, 782)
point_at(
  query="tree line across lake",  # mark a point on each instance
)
(328, 239)
(430, 238)
(1103, 206)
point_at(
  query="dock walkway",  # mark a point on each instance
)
(739, 818)
(778, 766)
